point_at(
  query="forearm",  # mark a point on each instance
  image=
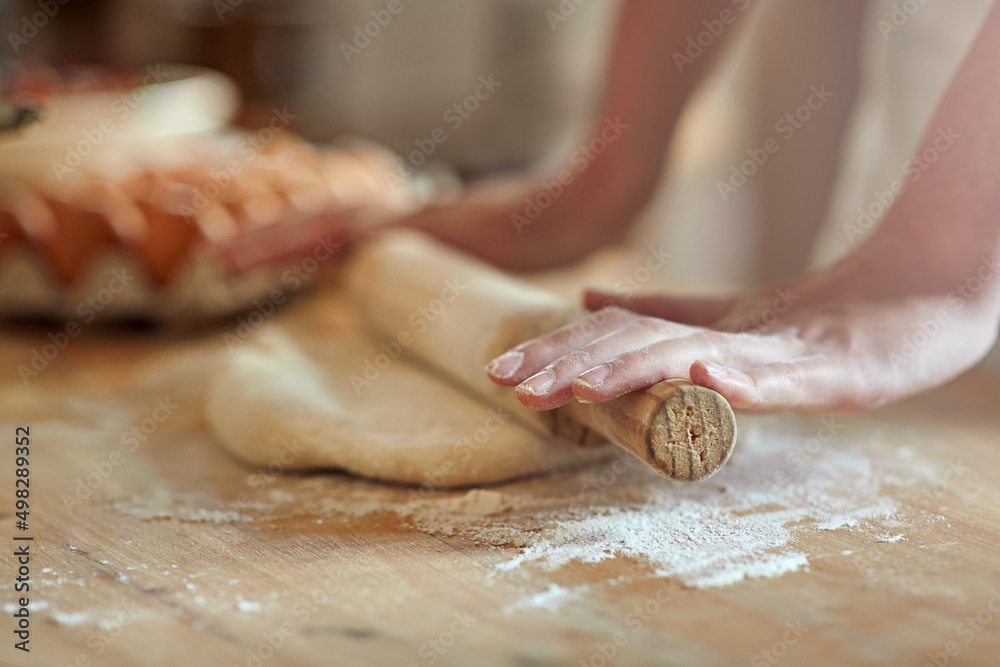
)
(946, 223)
(662, 52)
(603, 184)
(520, 225)
(913, 307)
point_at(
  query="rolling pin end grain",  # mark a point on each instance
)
(692, 435)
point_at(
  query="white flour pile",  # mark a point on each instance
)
(740, 524)
(743, 523)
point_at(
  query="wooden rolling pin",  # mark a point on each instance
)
(456, 314)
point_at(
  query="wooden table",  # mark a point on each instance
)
(175, 554)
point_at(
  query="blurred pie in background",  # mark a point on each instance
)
(111, 172)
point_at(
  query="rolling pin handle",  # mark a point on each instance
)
(683, 431)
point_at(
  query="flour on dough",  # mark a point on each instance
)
(287, 402)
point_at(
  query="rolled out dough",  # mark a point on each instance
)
(285, 400)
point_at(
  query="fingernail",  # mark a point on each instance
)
(714, 369)
(538, 383)
(595, 376)
(506, 364)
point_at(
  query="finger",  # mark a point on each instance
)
(697, 311)
(637, 369)
(551, 387)
(815, 383)
(530, 357)
(672, 359)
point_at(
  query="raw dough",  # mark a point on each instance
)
(285, 400)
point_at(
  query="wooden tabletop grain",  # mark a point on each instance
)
(152, 547)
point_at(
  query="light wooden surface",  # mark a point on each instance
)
(182, 556)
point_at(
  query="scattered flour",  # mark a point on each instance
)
(741, 524)
(737, 525)
(551, 599)
(247, 605)
(894, 538)
(768, 565)
(159, 504)
(749, 521)
(72, 618)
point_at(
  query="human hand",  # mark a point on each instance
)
(512, 222)
(830, 342)
(292, 240)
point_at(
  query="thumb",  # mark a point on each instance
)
(696, 311)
